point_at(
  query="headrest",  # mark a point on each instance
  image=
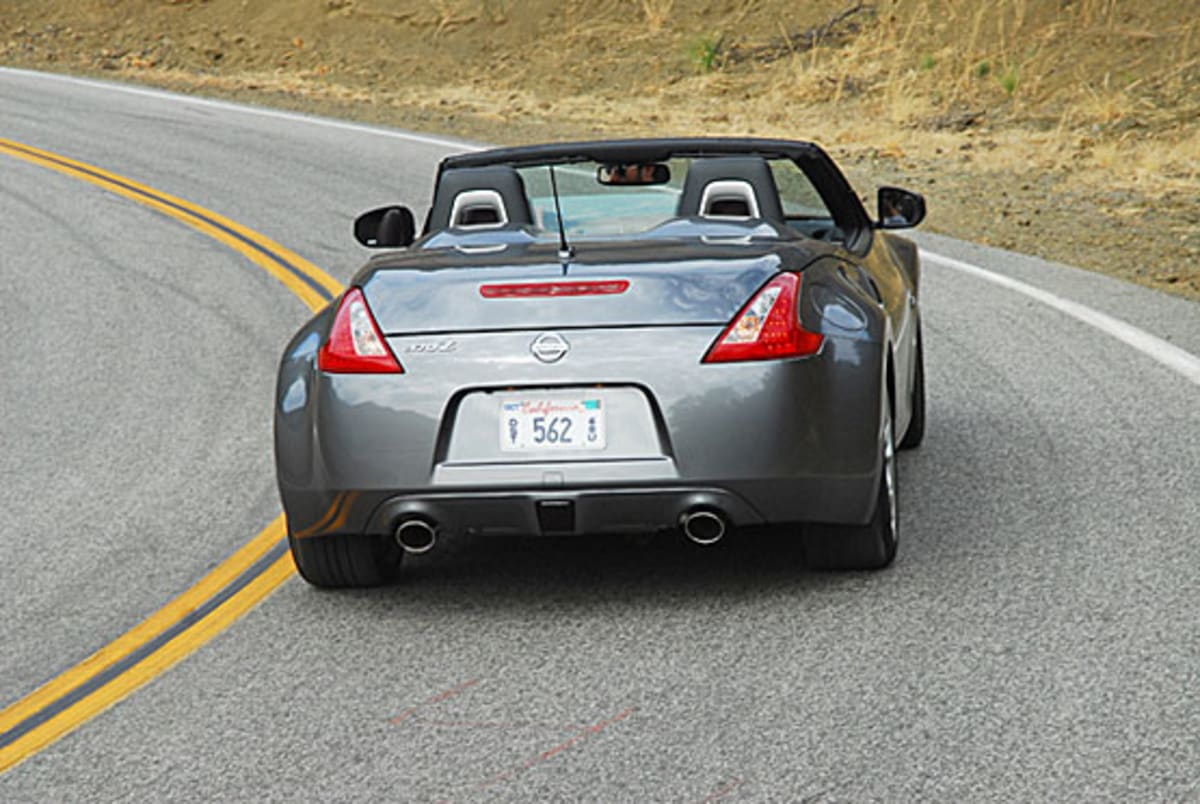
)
(729, 198)
(478, 208)
(470, 192)
(730, 184)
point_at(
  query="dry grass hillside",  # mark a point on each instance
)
(1022, 120)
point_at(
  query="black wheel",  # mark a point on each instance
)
(916, 426)
(862, 547)
(349, 560)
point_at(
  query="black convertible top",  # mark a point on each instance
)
(837, 193)
(641, 150)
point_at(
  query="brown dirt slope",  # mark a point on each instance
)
(1020, 119)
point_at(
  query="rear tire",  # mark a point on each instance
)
(862, 547)
(346, 560)
(916, 425)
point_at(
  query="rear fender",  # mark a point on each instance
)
(906, 255)
(839, 301)
(294, 398)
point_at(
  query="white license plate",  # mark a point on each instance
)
(551, 424)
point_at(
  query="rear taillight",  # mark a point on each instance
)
(355, 344)
(767, 328)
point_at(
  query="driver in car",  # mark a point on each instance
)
(631, 174)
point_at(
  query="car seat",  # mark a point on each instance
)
(735, 186)
(479, 197)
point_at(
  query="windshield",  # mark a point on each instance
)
(592, 209)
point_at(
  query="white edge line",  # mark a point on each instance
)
(1152, 346)
(1169, 355)
(229, 106)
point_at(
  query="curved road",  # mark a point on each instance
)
(1037, 639)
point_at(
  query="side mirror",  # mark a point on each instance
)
(386, 227)
(899, 209)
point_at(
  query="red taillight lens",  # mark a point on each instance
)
(355, 344)
(767, 328)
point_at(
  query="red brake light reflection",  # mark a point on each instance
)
(530, 290)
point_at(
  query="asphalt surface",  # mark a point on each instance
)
(1037, 638)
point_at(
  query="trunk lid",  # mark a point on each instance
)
(669, 284)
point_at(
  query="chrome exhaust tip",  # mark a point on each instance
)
(416, 536)
(703, 527)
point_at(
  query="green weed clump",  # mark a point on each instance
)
(706, 52)
(1010, 79)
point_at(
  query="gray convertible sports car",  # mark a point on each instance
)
(684, 335)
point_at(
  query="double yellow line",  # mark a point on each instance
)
(220, 597)
(315, 287)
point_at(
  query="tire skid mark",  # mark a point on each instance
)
(724, 789)
(498, 724)
(551, 753)
(444, 695)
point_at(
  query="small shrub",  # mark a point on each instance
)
(706, 53)
(1010, 79)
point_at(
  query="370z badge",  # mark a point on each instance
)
(432, 347)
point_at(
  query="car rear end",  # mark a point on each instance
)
(637, 389)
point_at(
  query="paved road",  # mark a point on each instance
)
(1036, 640)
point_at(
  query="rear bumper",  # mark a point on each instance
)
(566, 511)
(561, 512)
